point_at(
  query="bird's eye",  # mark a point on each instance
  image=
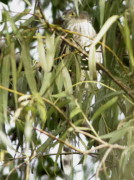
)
(72, 14)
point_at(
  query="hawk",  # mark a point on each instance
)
(81, 24)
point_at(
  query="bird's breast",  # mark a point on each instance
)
(83, 27)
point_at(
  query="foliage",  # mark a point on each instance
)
(45, 102)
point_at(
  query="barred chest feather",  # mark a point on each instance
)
(82, 26)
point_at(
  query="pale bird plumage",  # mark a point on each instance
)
(83, 25)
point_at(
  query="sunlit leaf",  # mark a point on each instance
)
(67, 80)
(74, 112)
(92, 63)
(26, 59)
(105, 28)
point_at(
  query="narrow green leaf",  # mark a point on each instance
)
(50, 50)
(5, 141)
(47, 56)
(74, 112)
(59, 78)
(27, 2)
(26, 59)
(128, 40)
(5, 83)
(108, 95)
(114, 136)
(76, 3)
(28, 128)
(41, 51)
(11, 21)
(60, 95)
(102, 11)
(41, 107)
(47, 83)
(18, 16)
(42, 112)
(126, 157)
(58, 155)
(67, 81)
(92, 63)
(104, 108)
(104, 29)
(14, 73)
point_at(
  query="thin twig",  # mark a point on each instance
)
(58, 139)
(102, 163)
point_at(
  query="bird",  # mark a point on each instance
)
(81, 24)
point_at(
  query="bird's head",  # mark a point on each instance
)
(71, 14)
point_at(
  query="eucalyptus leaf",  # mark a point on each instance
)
(104, 107)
